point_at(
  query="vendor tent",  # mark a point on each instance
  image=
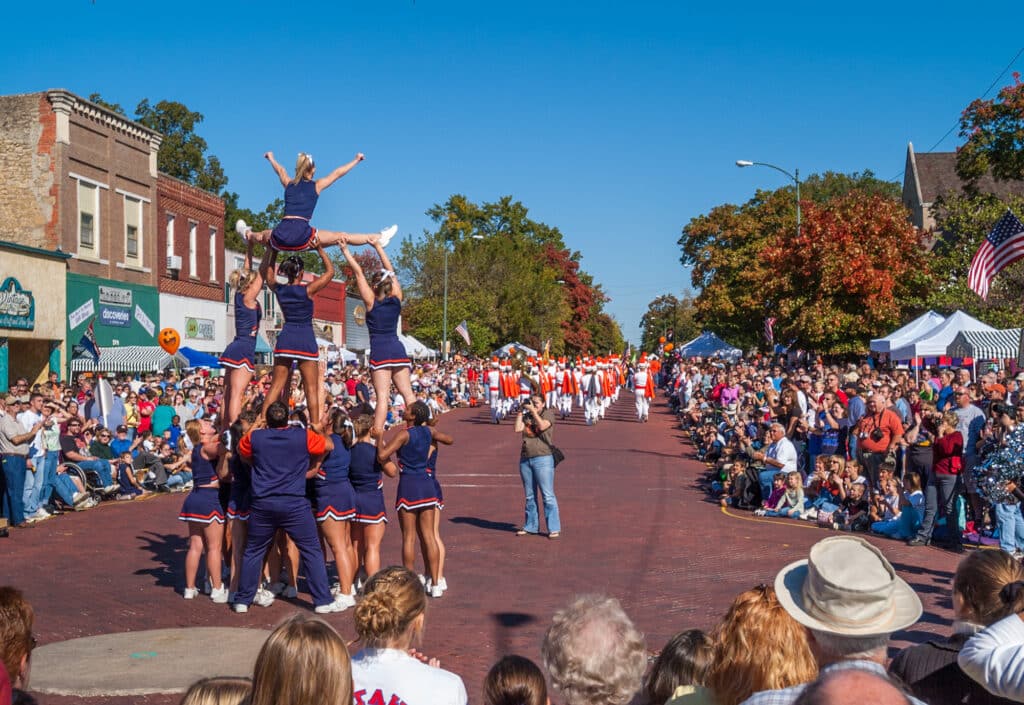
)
(708, 344)
(131, 358)
(935, 342)
(901, 336)
(414, 348)
(982, 345)
(347, 356)
(198, 358)
(512, 348)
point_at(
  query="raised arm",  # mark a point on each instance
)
(441, 437)
(325, 278)
(365, 292)
(326, 181)
(282, 174)
(252, 292)
(396, 288)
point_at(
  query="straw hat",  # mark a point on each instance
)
(847, 587)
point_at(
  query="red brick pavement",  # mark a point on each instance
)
(634, 526)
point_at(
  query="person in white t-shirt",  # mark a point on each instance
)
(389, 621)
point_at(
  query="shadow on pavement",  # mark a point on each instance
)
(169, 554)
(484, 523)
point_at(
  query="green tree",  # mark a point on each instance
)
(183, 152)
(669, 313)
(994, 130)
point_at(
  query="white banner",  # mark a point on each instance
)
(81, 314)
(143, 320)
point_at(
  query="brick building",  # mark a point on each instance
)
(79, 178)
(190, 268)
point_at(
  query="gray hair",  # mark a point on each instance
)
(840, 647)
(593, 652)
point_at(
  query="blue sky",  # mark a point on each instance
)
(615, 122)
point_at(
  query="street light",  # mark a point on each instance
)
(795, 177)
(444, 314)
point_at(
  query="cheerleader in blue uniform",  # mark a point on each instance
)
(438, 439)
(389, 362)
(301, 192)
(296, 341)
(336, 500)
(365, 473)
(204, 515)
(417, 501)
(241, 496)
(239, 357)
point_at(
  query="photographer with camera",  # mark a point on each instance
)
(537, 465)
(878, 435)
(944, 483)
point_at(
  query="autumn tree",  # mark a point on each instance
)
(669, 313)
(994, 130)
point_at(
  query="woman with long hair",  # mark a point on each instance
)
(239, 357)
(301, 192)
(389, 363)
(366, 475)
(336, 500)
(241, 496)
(296, 342)
(442, 552)
(203, 514)
(389, 622)
(303, 662)
(417, 499)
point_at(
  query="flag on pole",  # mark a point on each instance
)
(769, 329)
(88, 346)
(1000, 248)
(462, 330)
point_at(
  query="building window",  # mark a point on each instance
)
(213, 254)
(192, 228)
(170, 234)
(132, 230)
(88, 219)
(239, 262)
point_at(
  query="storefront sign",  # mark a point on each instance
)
(17, 307)
(144, 320)
(81, 314)
(115, 296)
(115, 316)
(199, 328)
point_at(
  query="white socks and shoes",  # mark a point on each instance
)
(386, 234)
(219, 595)
(242, 229)
(263, 598)
(340, 604)
(190, 593)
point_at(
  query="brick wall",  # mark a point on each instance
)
(190, 206)
(28, 188)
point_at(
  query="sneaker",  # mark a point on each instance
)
(87, 503)
(110, 489)
(264, 598)
(240, 608)
(219, 595)
(275, 588)
(443, 584)
(291, 592)
(423, 579)
(124, 497)
(386, 234)
(242, 229)
(190, 593)
(42, 513)
(436, 591)
(79, 497)
(340, 604)
(917, 542)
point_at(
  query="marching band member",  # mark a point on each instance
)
(643, 388)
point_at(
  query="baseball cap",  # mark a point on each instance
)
(122, 429)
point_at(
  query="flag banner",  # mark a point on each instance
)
(769, 329)
(1000, 248)
(463, 330)
(87, 346)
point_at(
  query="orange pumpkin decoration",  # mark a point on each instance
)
(169, 340)
(661, 340)
(669, 347)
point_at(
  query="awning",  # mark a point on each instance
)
(986, 345)
(262, 346)
(198, 358)
(130, 358)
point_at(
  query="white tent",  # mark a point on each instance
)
(414, 348)
(347, 356)
(935, 342)
(901, 336)
(509, 348)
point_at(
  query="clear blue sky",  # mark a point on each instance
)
(615, 122)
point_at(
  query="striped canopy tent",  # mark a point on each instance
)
(131, 358)
(986, 345)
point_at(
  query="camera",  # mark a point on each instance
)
(877, 434)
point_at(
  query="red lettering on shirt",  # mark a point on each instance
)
(377, 698)
(357, 697)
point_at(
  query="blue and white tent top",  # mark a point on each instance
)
(983, 345)
(509, 348)
(198, 358)
(937, 341)
(901, 336)
(708, 344)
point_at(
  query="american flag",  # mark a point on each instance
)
(769, 329)
(1003, 246)
(462, 330)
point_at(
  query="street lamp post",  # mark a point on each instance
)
(444, 306)
(794, 176)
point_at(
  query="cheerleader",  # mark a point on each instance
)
(336, 501)
(389, 362)
(296, 341)
(241, 497)
(417, 499)
(301, 192)
(204, 515)
(437, 438)
(239, 357)
(364, 473)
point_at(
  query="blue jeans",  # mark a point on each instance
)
(1011, 526)
(49, 463)
(100, 467)
(765, 479)
(539, 472)
(178, 478)
(12, 500)
(33, 484)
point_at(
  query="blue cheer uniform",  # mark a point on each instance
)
(294, 232)
(432, 471)
(335, 498)
(365, 474)
(296, 339)
(416, 489)
(386, 350)
(280, 459)
(202, 505)
(241, 489)
(241, 352)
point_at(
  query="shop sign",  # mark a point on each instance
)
(17, 307)
(81, 314)
(115, 296)
(145, 321)
(199, 328)
(115, 316)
